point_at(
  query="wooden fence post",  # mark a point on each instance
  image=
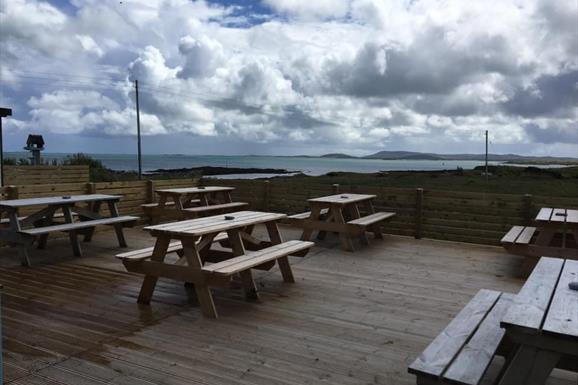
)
(11, 192)
(527, 209)
(335, 188)
(90, 188)
(150, 191)
(266, 194)
(418, 212)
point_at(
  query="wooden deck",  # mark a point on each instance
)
(356, 318)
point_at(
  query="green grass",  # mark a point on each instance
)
(562, 182)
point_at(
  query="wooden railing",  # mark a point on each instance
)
(448, 215)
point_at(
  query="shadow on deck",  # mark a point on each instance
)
(356, 318)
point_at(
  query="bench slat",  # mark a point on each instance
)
(307, 214)
(371, 219)
(255, 258)
(474, 359)
(223, 206)
(512, 235)
(440, 353)
(525, 236)
(79, 225)
(562, 318)
(142, 254)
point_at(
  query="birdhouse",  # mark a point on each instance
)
(35, 144)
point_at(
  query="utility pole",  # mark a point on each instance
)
(138, 131)
(4, 112)
(486, 156)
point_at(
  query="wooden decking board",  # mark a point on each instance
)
(345, 321)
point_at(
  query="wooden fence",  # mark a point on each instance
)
(35, 175)
(448, 215)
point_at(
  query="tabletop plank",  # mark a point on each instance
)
(342, 199)
(544, 214)
(572, 216)
(529, 306)
(562, 316)
(215, 224)
(57, 200)
(558, 216)
(194, 190)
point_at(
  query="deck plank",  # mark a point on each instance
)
(70, 321)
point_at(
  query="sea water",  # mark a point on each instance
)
(307, 165)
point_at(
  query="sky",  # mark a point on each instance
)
(288, 77)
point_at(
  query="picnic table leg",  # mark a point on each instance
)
(315, 214)
(530, 366)
(545, 236)
(246, 276)
(346, 243)
(202, 290)
(43, 239)
(354, 214)
(149, 282)
(227, 197)
(204, 200)
(276, 239)
(22, 248)
(68, 218)
(117, 226)
(96, 209)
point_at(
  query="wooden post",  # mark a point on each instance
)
(90, 188)
(11, 192)
(266, 195)
(335, 188)
(150, 191)
(418, 212)
(527, 209)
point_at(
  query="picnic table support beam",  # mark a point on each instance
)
(117, 226)
(276, 239)
(335, 188)
(418, 212)
(247, 281)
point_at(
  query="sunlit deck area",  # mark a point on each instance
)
(350, 318)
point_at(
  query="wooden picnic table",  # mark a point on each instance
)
(555, 234)
(23, 231)
(195, 238)
(191, 202)
(340, 214)
(551, 221)
(542, 322)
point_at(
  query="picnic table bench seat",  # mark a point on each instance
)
(255, 258)
(371, 219)
(306, 215)
(174, 247)
(215, 209)
(65, 227)
(463, 351)
(519, 235)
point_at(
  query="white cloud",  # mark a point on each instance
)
(343, 73)
(308, 9)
